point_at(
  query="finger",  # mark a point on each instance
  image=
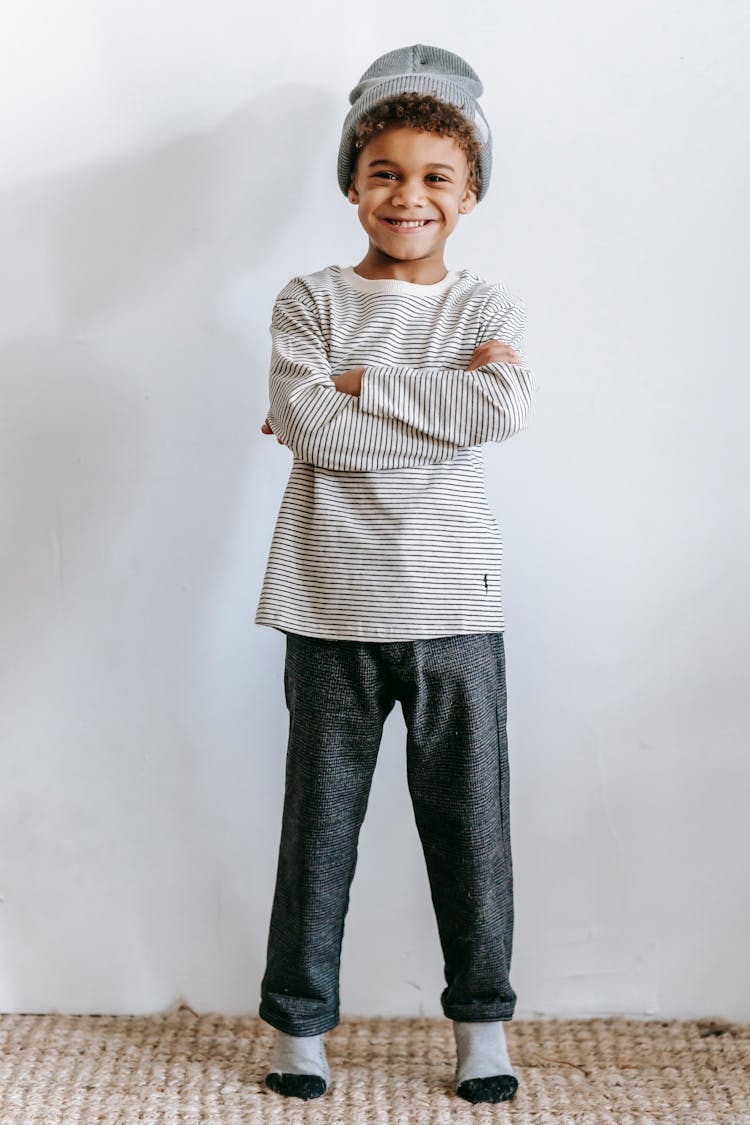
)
(478, 360)
(487, 355)
(502, 354)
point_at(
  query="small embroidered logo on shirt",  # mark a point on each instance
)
(486, 587)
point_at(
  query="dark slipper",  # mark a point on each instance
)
(497, 1088)
(304, 1086)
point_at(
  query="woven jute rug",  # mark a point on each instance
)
(179, 1067)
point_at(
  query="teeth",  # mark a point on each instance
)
(401, 223)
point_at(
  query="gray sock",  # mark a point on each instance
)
(481, 1050)
(299, 1054)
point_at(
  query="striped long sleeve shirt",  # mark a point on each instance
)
(385, 531)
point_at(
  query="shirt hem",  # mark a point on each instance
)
(407, 634)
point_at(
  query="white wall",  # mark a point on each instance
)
(166, 169)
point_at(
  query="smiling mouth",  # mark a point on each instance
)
(408, 224)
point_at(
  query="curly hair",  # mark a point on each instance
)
(426, 114)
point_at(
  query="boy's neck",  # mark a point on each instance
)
(424, 271)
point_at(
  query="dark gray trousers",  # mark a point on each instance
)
(453, 697)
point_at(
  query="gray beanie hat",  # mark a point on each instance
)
(424, 70)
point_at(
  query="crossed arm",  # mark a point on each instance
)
(391, 416)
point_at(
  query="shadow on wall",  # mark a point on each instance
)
(127, 266)
(127, 459)
(217, 201)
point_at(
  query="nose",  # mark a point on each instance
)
(409, 192)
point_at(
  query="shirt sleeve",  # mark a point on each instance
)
(326, 427)
(462, 407)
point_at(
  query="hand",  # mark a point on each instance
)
(266, 429)
(493, 351)
(350, 383)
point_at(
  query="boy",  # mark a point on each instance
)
(384, 569)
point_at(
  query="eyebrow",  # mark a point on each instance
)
(373, 163)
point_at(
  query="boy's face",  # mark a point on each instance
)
(408, 177)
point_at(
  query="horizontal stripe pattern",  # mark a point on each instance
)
(385, 531)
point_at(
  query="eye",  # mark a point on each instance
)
(385, 174)
(436, 178)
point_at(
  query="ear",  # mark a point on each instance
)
(468, 201)
(353, 194)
